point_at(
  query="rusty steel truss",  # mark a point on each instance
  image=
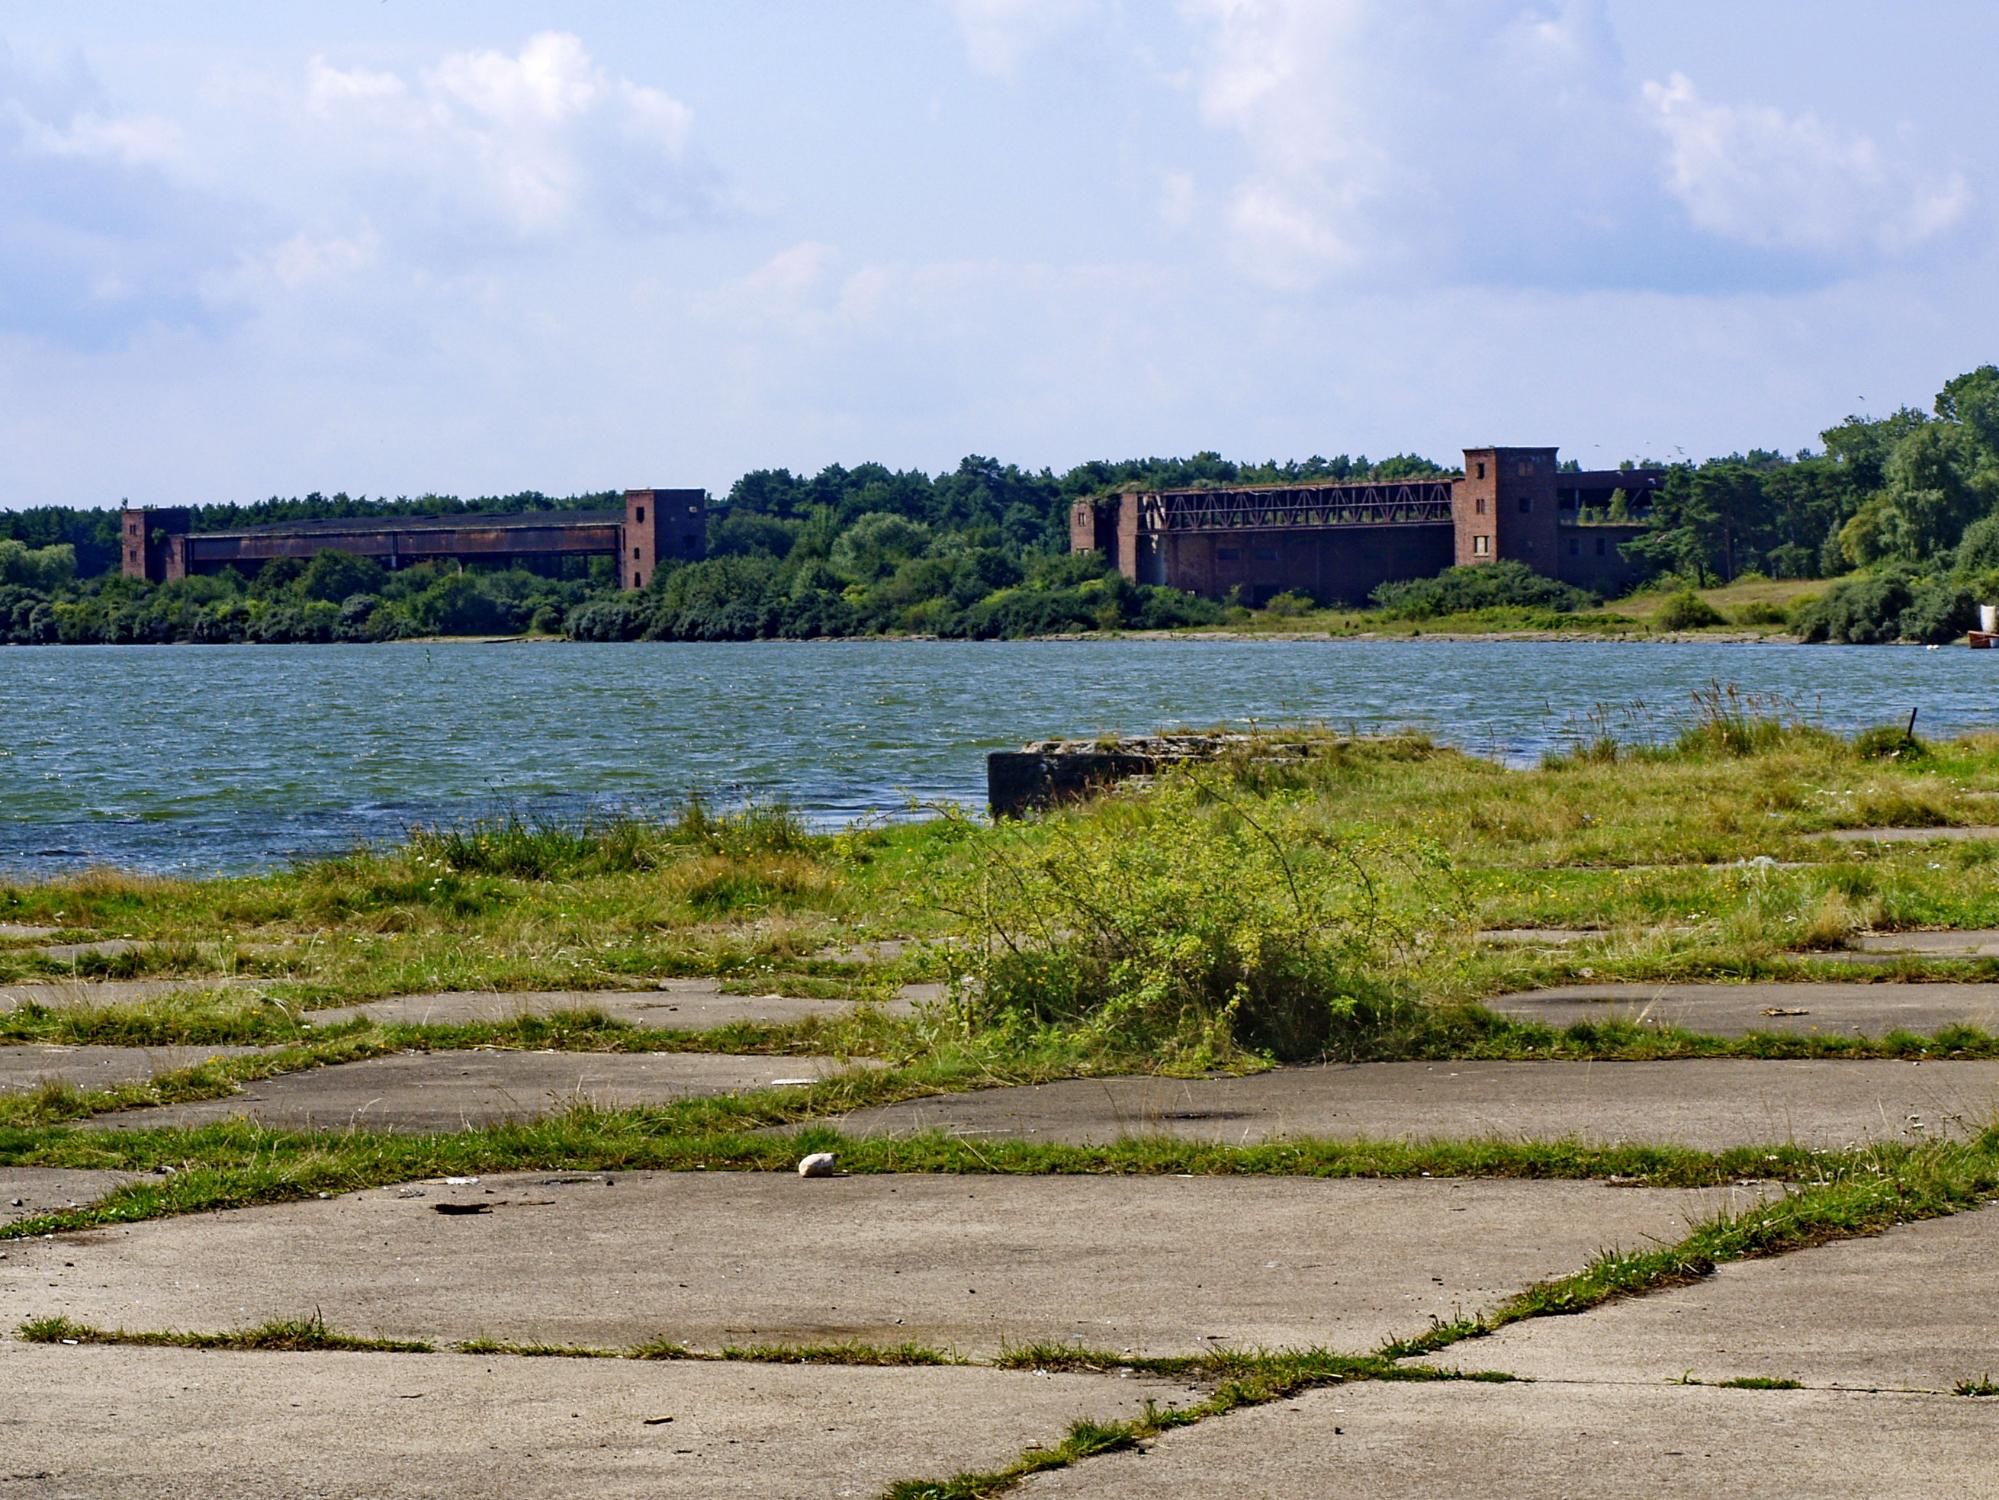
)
(1290, 507)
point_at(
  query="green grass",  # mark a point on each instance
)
(1925, 1183)
(286, 1335)
(1863, 1196)
(236, 1164)
(1638, 830)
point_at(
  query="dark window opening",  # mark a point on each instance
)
(1526, 467)
(638, 580)
(1266, 554)
(1478, 506)
(1481, 471)
(635, 554)
(642, 515)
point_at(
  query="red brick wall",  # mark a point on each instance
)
(1331, 566)
(1487, 503)
(660, 526)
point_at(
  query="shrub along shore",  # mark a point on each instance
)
(1234, 912)
(1889, 532)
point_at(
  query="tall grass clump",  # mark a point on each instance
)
(1194, 920)
(1890, 742)
(518, 848)
(1727, 721)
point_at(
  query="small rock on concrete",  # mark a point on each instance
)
(27, 1192)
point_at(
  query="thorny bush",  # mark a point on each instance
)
(1194, 918)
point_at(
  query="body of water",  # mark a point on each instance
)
(197, 759)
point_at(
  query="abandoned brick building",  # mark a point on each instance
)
(655, 526)
(1335, 542)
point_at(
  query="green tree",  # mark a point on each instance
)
(876, 544)
(46, 568)
(332, 576)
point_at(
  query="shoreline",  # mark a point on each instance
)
(1219, 634)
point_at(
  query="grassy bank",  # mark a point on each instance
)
(1332, 906)
(1753, 608)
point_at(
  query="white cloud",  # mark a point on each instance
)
(1407, 142)
(124, 140)
(1794, 182)
(1000, 34)
(303, 260)
(785, 287)
(102, 233)
(1503, 142)
(532, 141)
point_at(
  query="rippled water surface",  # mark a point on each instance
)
(204, 758)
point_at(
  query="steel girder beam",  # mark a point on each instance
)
(1292, 507)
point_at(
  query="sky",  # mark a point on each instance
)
(401, 247)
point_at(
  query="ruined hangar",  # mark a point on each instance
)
(655, 527)
(1338, 541)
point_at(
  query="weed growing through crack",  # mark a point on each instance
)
(286, 1335)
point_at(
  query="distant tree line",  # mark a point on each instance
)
(1905, 502)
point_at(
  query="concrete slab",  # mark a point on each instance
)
(1955, 835)
(103, 992)
(234, 1426)
(1558, 937)
(965, 1263)
(1830, 1009)
(869, 951)
(440, 1091)
(1580, 1442)
(28, 1067)
(28, 1191)
(1976, 942)
(23, 932)
(679, 1004)
(1916, 1308)
(70, 952)
(1709, 1104)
